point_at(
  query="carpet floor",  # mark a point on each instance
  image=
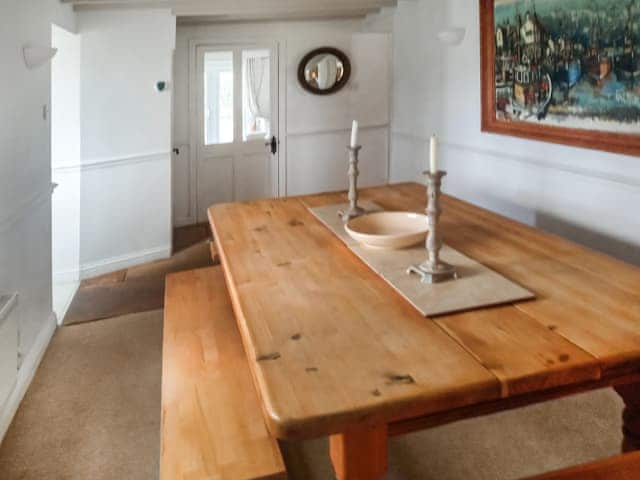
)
(93, 412)
(506, 446)
(93, 409)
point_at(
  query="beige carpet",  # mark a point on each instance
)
(93, 409)
(93, 413)
(505, 446)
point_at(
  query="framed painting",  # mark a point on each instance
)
(562, 71)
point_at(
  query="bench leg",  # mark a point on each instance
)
(631, 416)
(360, 453)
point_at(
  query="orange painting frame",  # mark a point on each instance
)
(624, 143)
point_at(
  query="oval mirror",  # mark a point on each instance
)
(324, 71)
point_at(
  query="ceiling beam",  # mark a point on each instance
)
(273, 16)
(243, 7)
(198, 11)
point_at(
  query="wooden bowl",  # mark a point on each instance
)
(388, 230)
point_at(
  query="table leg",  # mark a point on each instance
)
(360, 453)
(631, 416)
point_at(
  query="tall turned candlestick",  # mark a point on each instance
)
(433, 270)
(354, 210)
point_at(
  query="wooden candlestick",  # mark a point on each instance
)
(354, 210)
(433, 270)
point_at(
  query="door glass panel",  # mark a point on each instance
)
(256, 94)
(218, 98)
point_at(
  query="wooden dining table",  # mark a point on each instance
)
(335, 351)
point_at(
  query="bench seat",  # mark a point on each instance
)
(622, 467)
(212, 424)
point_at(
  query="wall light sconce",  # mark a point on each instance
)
(452, 36)
(37, 56)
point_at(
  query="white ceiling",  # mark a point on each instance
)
(234, 10)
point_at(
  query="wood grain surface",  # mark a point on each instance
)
(332, 346)
(212, 425)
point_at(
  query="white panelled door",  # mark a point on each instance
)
(237, 110)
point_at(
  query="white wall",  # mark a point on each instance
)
(65, 151)
(25, 182)
(8, 347)
(126, 137)
(313, 145)
(416, 96)
(585, 195)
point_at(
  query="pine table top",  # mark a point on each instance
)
(332, 345)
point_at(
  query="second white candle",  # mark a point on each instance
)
(434, 154)
(354, 134)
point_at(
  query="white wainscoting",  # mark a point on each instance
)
(418, 143)
(546, 163)
(24, 208)
(94, 269)
(583, 204)
(65, 209)
(318, 161)
(27, 322)
(25, 375)
(125, 212)
(8, 347)
(65, 240)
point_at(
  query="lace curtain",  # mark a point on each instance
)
(259, 100)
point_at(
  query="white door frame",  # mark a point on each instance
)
(65, 157)
(279, 183)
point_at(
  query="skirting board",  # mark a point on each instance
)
(26, 373)
(184, 221)
(102, 267)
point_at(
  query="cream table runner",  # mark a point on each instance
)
(476, 287)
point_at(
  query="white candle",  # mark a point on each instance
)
(434, 154)
(354, 134)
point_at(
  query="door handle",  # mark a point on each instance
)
(273, 144)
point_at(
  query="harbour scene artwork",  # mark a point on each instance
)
(569, 63)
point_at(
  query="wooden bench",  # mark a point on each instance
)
(212, 423)
(622, 467)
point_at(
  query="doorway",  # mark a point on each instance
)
(237, 122)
